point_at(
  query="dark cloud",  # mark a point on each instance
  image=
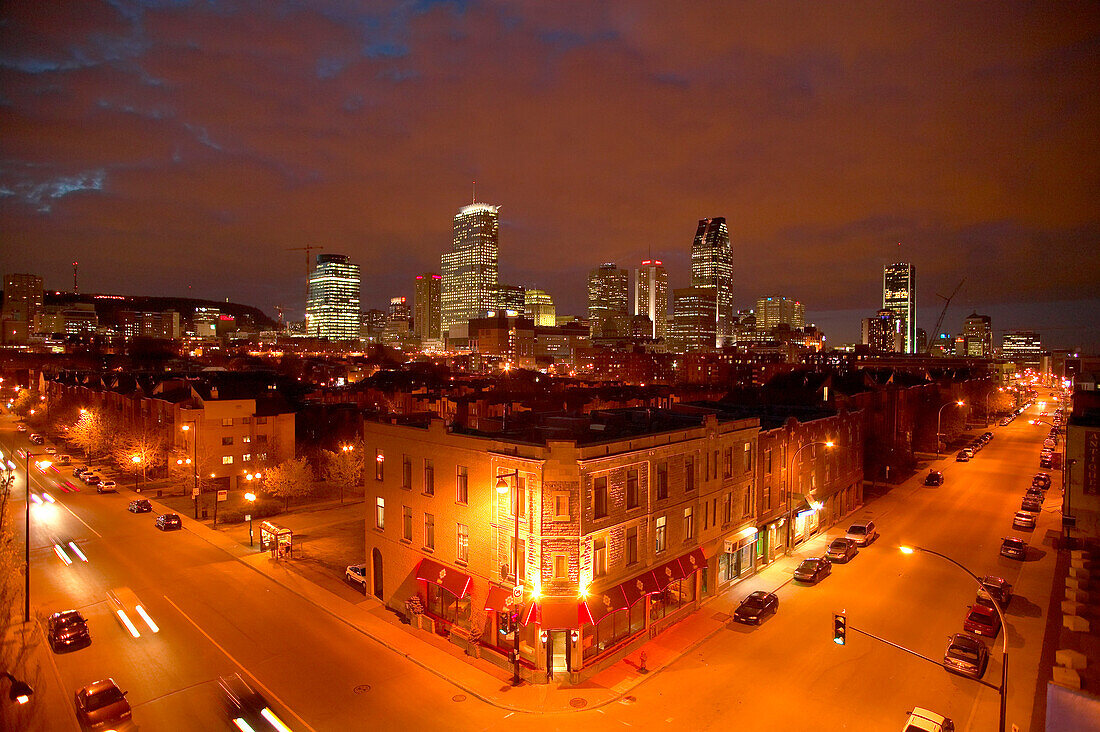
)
(172, 143)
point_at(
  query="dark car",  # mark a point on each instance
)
(1041, 481)
(1035, 494)
(964, 455)
(813, 569)
(169, 522)
(90, 478)
(68, 629)
(987, 436)
(245, 707)
(841, 550)
(981, 619)
(1014, 548)
(966, 655)
(995, 589)
(102, 703)
(1030, 504)
(141, 505)
(756, 607)
(80, 470)
(934, 477)
(1046, 462)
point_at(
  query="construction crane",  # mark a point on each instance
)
(939, 321)
(307, 249)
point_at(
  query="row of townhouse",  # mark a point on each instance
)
(578, 538)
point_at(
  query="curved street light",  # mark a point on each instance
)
(790, 479)
(989, 394)
(1000, 614)
(939, 414)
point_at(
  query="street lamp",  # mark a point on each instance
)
(1000, 614)
(989, 394)
(939, 414)
(503, 486)
(251, 498)
(27, 536)
(194, 465)
(136, 459)
(790, 479)
(20, 691)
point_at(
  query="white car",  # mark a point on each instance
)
(64, 459)
(107, 486)
(357, 575)
(50, 450)
(922, 720)
(863, 533)
(20, 428)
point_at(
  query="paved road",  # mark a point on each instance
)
(217, 616)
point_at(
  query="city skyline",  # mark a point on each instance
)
(830, 152)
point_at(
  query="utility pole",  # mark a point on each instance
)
(307, 249)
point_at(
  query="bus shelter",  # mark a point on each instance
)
(279, 540)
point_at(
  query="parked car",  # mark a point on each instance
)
(1048, 442)
(107, 486)
(1035, 494)
(141, 505)
(841, 549)
(922, 720)
(90, 478)
(1023, 520)
(934, 477)
(964, 455)
(1041, 481)
(756, 607)
(1046, 462)
(102, 703)
(50, 450)
(20, 428)
(813, 569)
(64, 459)
(981, 619)
(80, 470)
(169, 522)
(1031, 505)
(37, 438)
(995, 589)
(966, 655)
(862, 534)
(357, 575)
(67, 629)
(1014, 548)
(987, 436)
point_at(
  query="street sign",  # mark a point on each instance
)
(517, 592)
(223, 496)
(194, 492)
(248, 517)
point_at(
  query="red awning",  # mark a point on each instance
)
(455, 582)
(606, 602)
(499, 599)
(668, 573)
(561, 615)
(637, 588)
(693, 561)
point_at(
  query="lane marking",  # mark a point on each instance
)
(86, 525)
(259, 683)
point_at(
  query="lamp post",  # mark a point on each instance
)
(251, 498)
(195, 464)
(20, 691)
(1000, 614)
(790, 480)
(989, 394)
(503, 486)
(939, 414)
(27, 536)
(136, 459)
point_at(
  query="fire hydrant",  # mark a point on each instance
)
(641, 665)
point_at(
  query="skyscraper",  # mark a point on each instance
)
(539, 307)
(1022, 346)
(427, 304)
(607, 297)
(470, 268)
(510, 300)
(978, 332)
(694, 318)
(651, 295)
(332, 308)
(899, 293)
(775, 310)
(712, 266)
(881, 332)
(22, 306)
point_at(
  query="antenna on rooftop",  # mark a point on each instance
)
(75, 288)
(473, 197)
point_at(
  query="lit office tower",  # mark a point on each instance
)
(899, 294)
(539, 307)
(22, 308)
(332, 308)
(426, 318)
(470, 268)
(1022, 346)
(607, 297)
(978, 332)
(881, 332)
(773, 311)
(712, 266)
(651, 295)
(694, 318)
(510, 299)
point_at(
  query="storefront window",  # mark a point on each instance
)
(612, 630)
(442, 604)
(637, 615)
(675, 596)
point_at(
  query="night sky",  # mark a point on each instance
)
(169, 145)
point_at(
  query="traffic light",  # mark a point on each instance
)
(840, 627)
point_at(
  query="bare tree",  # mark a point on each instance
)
(136, 450)
(91, 433)
(289, 479)
(344, 467)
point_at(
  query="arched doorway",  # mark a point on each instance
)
(376, 559)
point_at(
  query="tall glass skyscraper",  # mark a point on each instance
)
(607, 297)
(899, 294)
(332, 308)
(651, 295)
(426, 323)
(470, 268)
(712, 266)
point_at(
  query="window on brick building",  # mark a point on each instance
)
(247, 457)
(659, 536)
(561, 566)
(462, 485)
(380, 513)
(227, 422)
(429, 531)
(662, 480)
(261, 420)
(727, 514)
(689, 523)
(246, 439)
(746, 507)
(632, 488)
(689, 473)
(746, 457)
(561, 506)
(407, 523)
(727, 466)
(429, 477)
(227, 440)
(599, 497)
(406, 472)
(261, 438)
(463, 549)
(631, 546)
(599, 551)
(227, 460)
(714, 467)
(768, 461)
(517, 495)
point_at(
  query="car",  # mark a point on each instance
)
(102, 703)
(964, 455)
(1006, 421)
(1046, 462)
(67, 629)
(756, 607)
(966, 656)
(20, 428)
(934, 477)
(64, 459)
(987, 436)
(80, 470)
(841, 549)
(141, 505)
(50, 450)
(90, 478)
(863, 534)
(1030, 505)
(1041, 480)
(981, 619)
(1023, 520)
(1048, 443)
(995, 589)
(1035, 494)
(1014, 547)
(922, 720)
(37, 439)
(357, 575)
(169, 522)
(107, 486)
(245, 707)
(813, 569)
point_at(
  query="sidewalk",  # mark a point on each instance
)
(26, 655)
